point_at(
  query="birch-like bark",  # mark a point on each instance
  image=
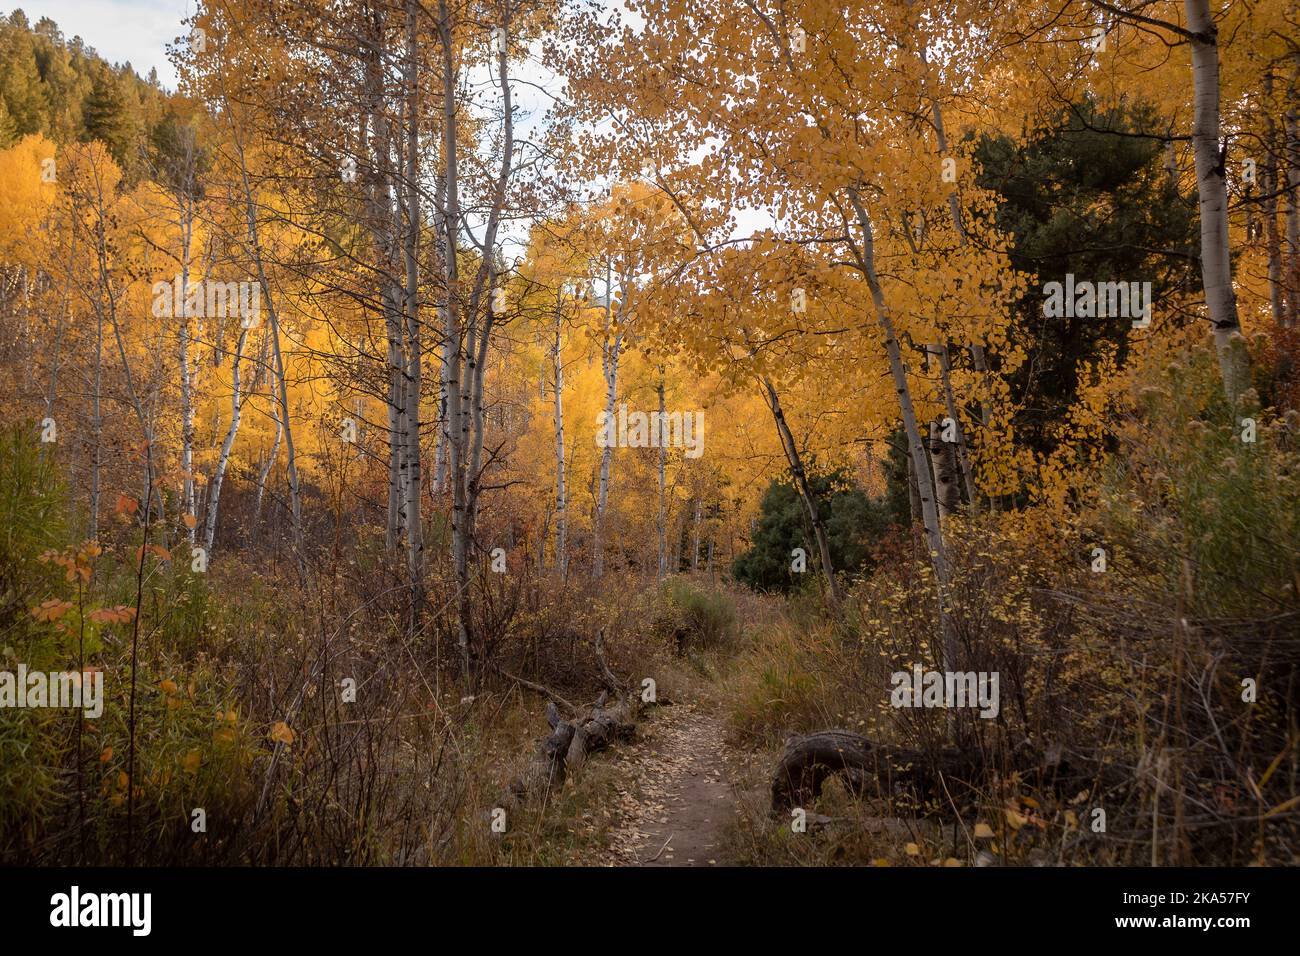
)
(943, 462)
(1272, 238)
(948, 458)
(465, 375)
(609, 354)
(223, 458)
(265, 471)
(97, 425)
(866, 256)
(414, 338)
(187, 382)
(278, 371)
(1211, 184)
(440, 442)
(454, 338)
(561, 494)
(695, 534)
(661, 521)
(1293, 214)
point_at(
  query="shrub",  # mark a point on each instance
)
(694, 619)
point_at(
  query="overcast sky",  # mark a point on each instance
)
(120, 30)
(138, 31)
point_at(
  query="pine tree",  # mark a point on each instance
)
(105, 118)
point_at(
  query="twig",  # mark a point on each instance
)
(661, 850)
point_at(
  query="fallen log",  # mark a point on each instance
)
(866, 769)
(944, 780)
(545, 772)
(572, 741)
(603, 727)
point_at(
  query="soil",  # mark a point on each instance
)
(676, 797)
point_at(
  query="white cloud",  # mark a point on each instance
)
(135, 31)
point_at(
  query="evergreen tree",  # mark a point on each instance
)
(105, 118)
(8, 128)
(1088, 196)
(854, 524)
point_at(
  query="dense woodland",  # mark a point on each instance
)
(428, 409)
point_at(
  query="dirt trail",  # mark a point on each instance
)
(675, 798)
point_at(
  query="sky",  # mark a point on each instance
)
(137, 31)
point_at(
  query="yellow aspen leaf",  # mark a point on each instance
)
(191, 761)
(912, 849)
(190, 521)
(983, 831)
(281, 733)
(169, 687)
(107, 754)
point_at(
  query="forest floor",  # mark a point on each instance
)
(674, 790)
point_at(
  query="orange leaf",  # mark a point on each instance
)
(282, 733)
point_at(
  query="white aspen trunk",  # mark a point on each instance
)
(396, 420)
(440, 446)
(1216, 261)
(609, 366)
(187, 384)
(916, 447)
(946, 458)
(255, 248)
(454, 339)
(943, 462)
(265, 471)
(414, 338)
(218, 476)
(661, 523)
(561, 495)
(695, 534)
(950, 403)
(1293, 215)
(97, 425)
(1272, 240)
